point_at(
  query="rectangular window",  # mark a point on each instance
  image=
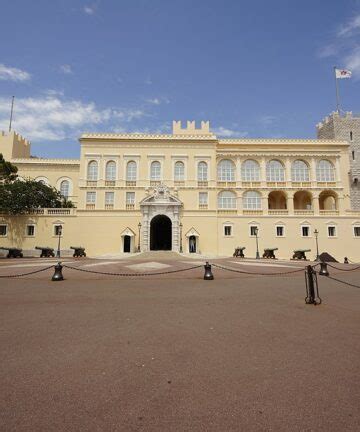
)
(109, 197)
(203, 198)
(30, 230)
(353, 155)
(280, 231)
(90, 197)
(130, 197)
(3, 230)
(253, 230)
(331, 231)
(305, 231)
(351, 136)
(58, 230)
(227, 230)
(356, 231)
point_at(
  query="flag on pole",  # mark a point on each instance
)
(342, 73)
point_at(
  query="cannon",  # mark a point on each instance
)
(13, 252)
(300, 253)
(79, 251)
(46, 251)
(239, 252)
(269, 253)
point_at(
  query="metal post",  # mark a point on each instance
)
(337, 92)
(181, 248)
(138, 248)
(208, 273)
(312, 289)
(59, 234)
(316, 232)
(257, 243)
(11, 112)
(58, 276)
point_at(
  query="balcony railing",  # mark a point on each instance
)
(109, 206)
(109, 182)
(203, 206)
(278, 212)
(303, 212)
(326, 184)
(252, 212)
(91, 183)
(54, 211)
(155, 182)
(203, 184)
(90, 207)
(130, 183)
(275, 184)
(249, 184)
(227, 211)
(226, 184)
(329, 212)
(301, 184)
(130, 206)
(179, 183)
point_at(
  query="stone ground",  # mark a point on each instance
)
(174, 352)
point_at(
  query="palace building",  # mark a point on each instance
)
(191, 191)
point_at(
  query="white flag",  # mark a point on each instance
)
(342, 73)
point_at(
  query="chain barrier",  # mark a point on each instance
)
(343, 269)
(132, 274)
(261, 274)
(343, 282)
(26, 274)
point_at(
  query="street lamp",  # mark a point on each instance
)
(180, 225)
(59, 232)
(256, 231)
(316, 232)
(139, 226)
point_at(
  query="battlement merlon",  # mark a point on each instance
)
(191, 128)
(334, 116)
(13, 145)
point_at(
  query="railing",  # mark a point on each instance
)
(329, 212)
(250, 184)
(275, 184)
(54, 211)
(301, 184)
(303, 212)
(278, 212)
(109, 182)
(130, 206)
(252, 212)
(227, 212)
(203, 206)
(109, 206)
(130, 183)
(90, 207)
(203, 184)
(226, 184)
(326, 184)
(178, 183)
(91, 183)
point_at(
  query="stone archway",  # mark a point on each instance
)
(160, 233)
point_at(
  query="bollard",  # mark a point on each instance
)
(312, 289)
(208, 273)
(323, 269)
(58, 276)
(346, 260)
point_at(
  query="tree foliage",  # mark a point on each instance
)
(7, 170)
(21, 197)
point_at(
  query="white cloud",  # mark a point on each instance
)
(158, 101)
(224, 132)
(66, 69)
(267, 120)
(351, 27)
(53, 118)
(90, 10)
(13, 74)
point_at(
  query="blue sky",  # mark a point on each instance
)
(254, 69)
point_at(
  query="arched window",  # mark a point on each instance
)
(252, 200)
(179, 171)
(202, 171)
(250, 171)
(226, 170)
(155, 171)
(275, 171)
(110, 171)
(299, 171)
(325, 171)
(227, 200)
(65, 188)
(43, 180)
(131, 171)
(92, 171)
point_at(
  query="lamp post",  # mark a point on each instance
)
(59, 232)
(139, 226)
(180, 225)
(316, 232)
(256, 231)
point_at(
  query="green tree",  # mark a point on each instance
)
(7, 170)
(21, 197)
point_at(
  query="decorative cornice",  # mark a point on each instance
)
(138, 136)
(38, 161)
(282, 141)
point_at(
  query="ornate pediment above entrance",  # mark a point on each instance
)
(161, 196)
(192, 232)
(128, 232)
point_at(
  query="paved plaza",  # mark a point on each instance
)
(172, 352)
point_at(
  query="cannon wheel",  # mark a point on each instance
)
(21, 255)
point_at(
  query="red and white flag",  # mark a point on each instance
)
(342, 73)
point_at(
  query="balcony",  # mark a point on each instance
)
(301, 184)
(227, 212)
(90, 206)
(203, 184)
(91, 183)
(179, 183)
(109, 206)
(252, 212)
(326, 184)
(226, 184)
(130, 183)
(278, 212)
(329, 212)
(203, 206)
(54, 211)
(276, 185)
(110, 183)
(303, 212)
(250, 184)
(130, 206)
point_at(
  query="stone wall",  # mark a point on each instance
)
(346, 127)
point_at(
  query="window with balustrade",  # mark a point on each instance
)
(202, 172)
(92, 171)
(300, 171)
(203, 200)
(325, 171)
(109, 200)
(227, 200)
(226, 171)
(179, 171)
(110, 171)
(250, 171)
(131, 171)
(90, 200)
(252, 200)
(65, 188)
(130, 200)
(155, 171)
(275, 171)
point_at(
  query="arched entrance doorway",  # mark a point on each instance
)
(160, 233)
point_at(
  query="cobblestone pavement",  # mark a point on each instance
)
(177, 353)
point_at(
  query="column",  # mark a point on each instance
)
(290, 204)
(315, 204)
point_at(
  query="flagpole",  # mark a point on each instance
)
(11, 112)
(337, 92)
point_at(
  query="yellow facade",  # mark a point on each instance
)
(211, 194)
